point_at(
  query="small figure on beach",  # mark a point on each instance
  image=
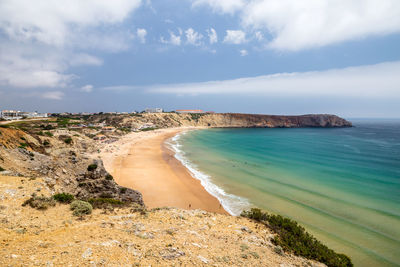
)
(190, 205)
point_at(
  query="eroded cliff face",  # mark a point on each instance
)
(64, 167)
(271, 121)
(166, 120)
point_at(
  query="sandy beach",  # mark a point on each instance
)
(143, 162)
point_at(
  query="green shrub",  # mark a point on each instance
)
(149, 129)
(68, 140)
(49, 134)
(40, 203)
(46, 143)
(125, 129)
(1, 169)
(63, 197)
(104, 202)
(123, 190)
(23, 145)
(92, 167)
(80, 207)
(109, 177)
(293, 238)
(196, 116)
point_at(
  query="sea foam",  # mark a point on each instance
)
(233, 204)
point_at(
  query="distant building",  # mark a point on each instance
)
(189, 111)
(16, 115)
(11, 115)
(153, 110)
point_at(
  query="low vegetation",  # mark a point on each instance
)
(80, 208)
(92, 167)
(23, 145)
(39, 202)
(109, 177)
(68, 140)
(148, 129)
(294, 239)
(49, 134)
(104, 202)
(63, 197)
(196, 116)
(2, 169)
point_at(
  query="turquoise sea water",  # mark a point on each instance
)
(341, 184)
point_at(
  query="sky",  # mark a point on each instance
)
(250, 56)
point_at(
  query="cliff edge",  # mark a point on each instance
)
(167, 120)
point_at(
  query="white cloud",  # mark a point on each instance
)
(235, 37)
(212, 34)
(54, 95)
(259, 36)
(32, 66)
(221, 6)
(53, 23)
(84, 59)
(243, 52)
(39, 42)
(141, 34)
(370, 81)
(173, 39)
(193, 37)
(297, 25)
(87, 88)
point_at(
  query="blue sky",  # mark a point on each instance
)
(254, 56)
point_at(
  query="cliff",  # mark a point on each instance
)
(63, 165)
(166, 120)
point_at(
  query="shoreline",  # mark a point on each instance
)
(143, 161)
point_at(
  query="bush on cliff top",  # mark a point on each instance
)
(1, 169)
(104, 202)
(293, 238)
(63, 197)
(92, 167)
(80, 208)
(40, 203)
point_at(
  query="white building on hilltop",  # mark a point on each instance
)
(17, 115)
(153, 110)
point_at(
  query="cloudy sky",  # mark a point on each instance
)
(252, 56)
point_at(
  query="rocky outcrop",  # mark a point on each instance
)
(98, 183)
(64, 167)
(273, 121)
(167, 120)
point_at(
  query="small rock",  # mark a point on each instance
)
(87, 253)
(204, 260)
(278, 250)
(171, 253)
(245, 229)
(14, 256)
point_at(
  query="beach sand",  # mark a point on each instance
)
(143, 162)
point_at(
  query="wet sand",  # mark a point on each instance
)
(143, 162)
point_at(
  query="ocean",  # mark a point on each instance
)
(341, 184)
